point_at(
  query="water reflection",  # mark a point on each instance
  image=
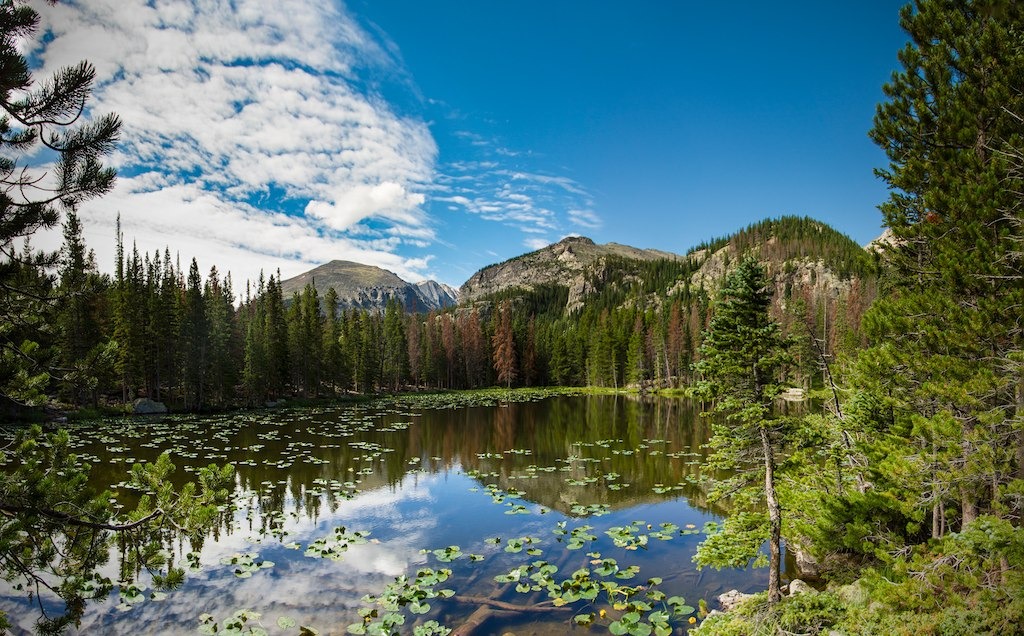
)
(416, 479)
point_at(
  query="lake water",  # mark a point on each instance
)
(413, 480)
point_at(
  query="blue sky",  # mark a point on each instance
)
(434, 138)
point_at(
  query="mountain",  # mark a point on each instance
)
(802, 256)
(368, 287)
(575, 263)
(438, 295)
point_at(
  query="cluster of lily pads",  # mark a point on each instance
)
(245, 621)
(384, 612)
(597, 592)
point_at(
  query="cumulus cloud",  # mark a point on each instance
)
(249, 133)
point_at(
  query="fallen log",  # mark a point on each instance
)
(544, 606)
(477, 619)
(491, 608)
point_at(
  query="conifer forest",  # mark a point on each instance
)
(894, 485)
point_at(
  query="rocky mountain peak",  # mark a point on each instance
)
(369, 287)
(574, 262)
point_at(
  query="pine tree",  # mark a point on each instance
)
(334, 363)
(952, 283)
(222, 363)
(79, 332)
(636, 364)
(742, 356)
(37, 118)
(194, 340)
(395, 354)
(275, 338)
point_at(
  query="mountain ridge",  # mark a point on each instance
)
(570, 262)
(361, 286)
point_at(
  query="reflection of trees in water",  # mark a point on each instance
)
(615, 449)
(291, 459)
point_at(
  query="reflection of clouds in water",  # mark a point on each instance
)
(364, 512)
(313, 591)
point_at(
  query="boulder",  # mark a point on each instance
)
(796, 586)
(855, 594)
(731, 599)
(145, 406)
(806, 564)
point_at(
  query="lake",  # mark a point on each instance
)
(334, 503)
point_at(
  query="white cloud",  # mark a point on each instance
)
(585, 218)
(531, 202)
(536, 243)
(247, 141)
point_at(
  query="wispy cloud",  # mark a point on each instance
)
(494, 188)
(249, 134)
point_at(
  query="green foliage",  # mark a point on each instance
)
(742, 358)
(36, 118)
(808, 613)
(57, 530)
(734, 542)
(789, 237)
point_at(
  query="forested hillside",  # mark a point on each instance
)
(159, 330)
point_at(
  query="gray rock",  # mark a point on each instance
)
(796, 586)
(731, 599)
(855, 593)
(145, 406)
(808, 567)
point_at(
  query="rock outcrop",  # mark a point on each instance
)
(575, 262)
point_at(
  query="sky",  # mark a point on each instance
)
(435, 138)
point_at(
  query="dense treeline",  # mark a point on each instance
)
(157, 330)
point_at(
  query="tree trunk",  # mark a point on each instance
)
(968, 507)
(1020, 433)
(774, 521)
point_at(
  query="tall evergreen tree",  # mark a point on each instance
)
(742, 356)
(79, 331)
(39, 117)
(395, 354)
(275, 337)
(335, 371)
(504, 346)
(195, 339)
(952, 281)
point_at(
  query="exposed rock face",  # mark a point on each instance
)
(437, 294)
(884, 240)
(368, 287)
(806, 564)
(798, 273)
(575, 262)
(796, 587)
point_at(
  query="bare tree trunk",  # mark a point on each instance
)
(1019, 395)
(968, 507)
(774, 521)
